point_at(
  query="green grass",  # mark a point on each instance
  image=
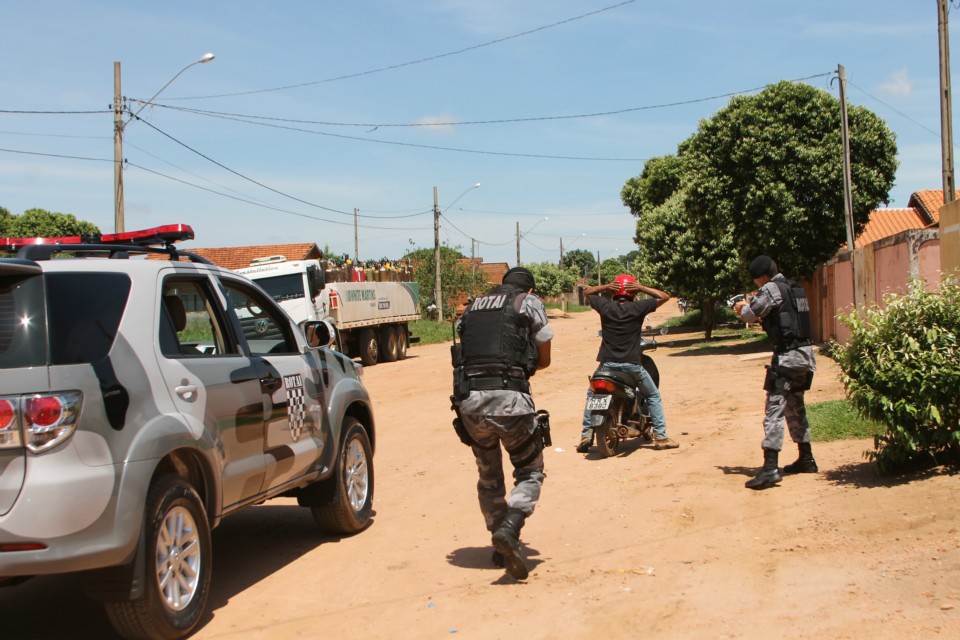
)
(431, 331)
(838, 420)
(571, 308)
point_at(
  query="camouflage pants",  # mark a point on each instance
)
(785, 402)
(516, 434)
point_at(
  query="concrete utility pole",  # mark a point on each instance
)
(117, 151)
(847, 188)
(518, 243)
(946, 107)
(356, 238)
(437, 297)
(845, 135)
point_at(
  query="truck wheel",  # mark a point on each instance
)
(368, 347)
(403, 340)
(178, 565)
(389, 340)
(353, 504)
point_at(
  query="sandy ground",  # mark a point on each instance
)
(651, 544)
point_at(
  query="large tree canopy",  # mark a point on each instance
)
(763, 175)
(769, 167)
(42, 223)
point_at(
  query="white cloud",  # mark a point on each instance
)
(441, 121)
(898, 84)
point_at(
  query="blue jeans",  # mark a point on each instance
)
(646, 388)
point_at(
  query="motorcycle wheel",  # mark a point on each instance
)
(608, 443)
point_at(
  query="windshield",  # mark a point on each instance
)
(280, 288)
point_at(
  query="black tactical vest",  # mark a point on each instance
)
(492, 332)
(789, 325)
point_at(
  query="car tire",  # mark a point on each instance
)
(369, 348)
(352, 506)
(178, 567)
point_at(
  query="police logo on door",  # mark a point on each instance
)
(295, 404)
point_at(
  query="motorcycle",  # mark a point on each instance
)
(617, 410)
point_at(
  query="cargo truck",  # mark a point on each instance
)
(371, 318)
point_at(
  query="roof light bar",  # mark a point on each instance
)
(163, 235)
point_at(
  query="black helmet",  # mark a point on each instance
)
(762, 266)
(520, 277)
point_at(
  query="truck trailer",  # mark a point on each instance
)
(371, 318)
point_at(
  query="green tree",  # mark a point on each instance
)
(42, 223)
(660, 179)
(582, 259)
(676, 260)
(551, 280)
(769, 169)
(901, 367)
(457, 279)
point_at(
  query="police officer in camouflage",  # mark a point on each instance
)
(505, 339)
(784, 311)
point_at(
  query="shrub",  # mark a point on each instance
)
(901, 368)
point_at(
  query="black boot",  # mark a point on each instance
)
(769, 475)
(506, 540)
(805, 463)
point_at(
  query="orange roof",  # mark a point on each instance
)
(239, 257)
(928, 202)
(887, 222)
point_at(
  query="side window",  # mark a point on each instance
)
(265, 328)
(189, 323)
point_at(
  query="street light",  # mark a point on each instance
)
(519, 235)
(437, 297)
(118, 127)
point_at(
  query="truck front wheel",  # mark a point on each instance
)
(368, 347)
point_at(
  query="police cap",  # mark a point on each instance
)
(520, 277)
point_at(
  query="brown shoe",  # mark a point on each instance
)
(665, 443)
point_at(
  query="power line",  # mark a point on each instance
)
(376, 125)
(56, 155)
(413, 62)
(426, 146)
(266, 206)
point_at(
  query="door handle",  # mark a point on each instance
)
(186, 391)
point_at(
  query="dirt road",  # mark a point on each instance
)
(649, 544)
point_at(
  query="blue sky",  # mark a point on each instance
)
(322, 97)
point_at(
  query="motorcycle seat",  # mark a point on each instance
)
(624, 378)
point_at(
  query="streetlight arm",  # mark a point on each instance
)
(207, 57)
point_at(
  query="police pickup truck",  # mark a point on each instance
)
(141, 401)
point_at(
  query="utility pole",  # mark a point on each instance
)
(356, 240)
(560, 264)
(599, 277)
(847, 187)
(518, 243)
(437, 297)
(117, 151)
(473, 256)
(946, 108)
(845, 135)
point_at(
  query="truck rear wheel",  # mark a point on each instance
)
(368, 347)
(403, 340)
(389, 341)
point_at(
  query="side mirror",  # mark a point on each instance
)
(319, 333)
(315, 280)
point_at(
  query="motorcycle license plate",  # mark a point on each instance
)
(598, 403)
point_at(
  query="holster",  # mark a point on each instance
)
(458, 426)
